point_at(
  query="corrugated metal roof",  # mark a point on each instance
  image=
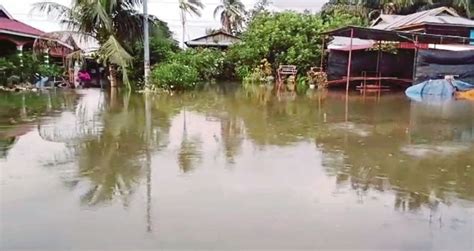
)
(442, 15)
(448, 20)
(219, 38)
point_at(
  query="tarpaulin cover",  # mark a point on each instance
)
(390, 64)
(433, 64)
(439, 88)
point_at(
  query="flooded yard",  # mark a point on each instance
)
(234, 169)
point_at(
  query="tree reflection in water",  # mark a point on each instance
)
(189, 152)
(377, 160)
(366, 153)
(117, 160)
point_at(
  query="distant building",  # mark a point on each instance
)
(17, 36)
(440, 21)
(420, 46)
(219, 39)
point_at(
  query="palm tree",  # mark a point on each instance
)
(232, 14)
(114, 24)
(191, 7)
(465, 6)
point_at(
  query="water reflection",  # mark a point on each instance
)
(149, 151)
(19, 111)
(117, 159)
(415, 151)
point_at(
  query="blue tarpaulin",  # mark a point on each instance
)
(472, 37)
(441, 88)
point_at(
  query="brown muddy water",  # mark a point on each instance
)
(236, 169)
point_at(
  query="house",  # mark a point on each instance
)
(441, 21)
(219, 39)
(17, 36)
(404, 49)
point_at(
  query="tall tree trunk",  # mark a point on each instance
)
(183, 22)
(113, 76)
(228, 25)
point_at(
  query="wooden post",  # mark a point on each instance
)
(414, 58)
(379, 45)
(322, 54)
(379, 56)
(349, 63)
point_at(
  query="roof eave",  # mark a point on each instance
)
(16, 33)
(213, 34)
(435, 24)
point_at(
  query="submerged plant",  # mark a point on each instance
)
(171, 76)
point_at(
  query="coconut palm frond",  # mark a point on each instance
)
(70, 24)
(76, 55)
(130, 21)
(232, 15)
(53, 10)
(218, 10)
(97, 15)
(194, 10)
(465, 5)
(191, 6)
(196, 3)
(113, 52)
(131, 4)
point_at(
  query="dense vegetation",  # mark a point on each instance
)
(17, 69)
(278, 38)
(268, 39)
(285, 38)
(186, 69)
(372, 8)
(115, 25)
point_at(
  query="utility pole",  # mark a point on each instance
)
(146, 43)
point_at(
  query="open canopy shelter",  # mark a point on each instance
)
(410, 41)
(397, 36)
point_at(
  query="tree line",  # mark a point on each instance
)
(285, 37)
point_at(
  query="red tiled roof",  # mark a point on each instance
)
(19, 27)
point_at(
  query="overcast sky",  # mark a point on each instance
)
(166, 10)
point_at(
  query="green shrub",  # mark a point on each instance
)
(302, 85)
(285, 38)
(175, 76)
(26, 67)
(208, 62)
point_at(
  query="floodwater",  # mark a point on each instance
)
(234, 169)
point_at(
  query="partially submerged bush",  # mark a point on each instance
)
(208, 62)
(318, 78)
(286, 38)
(263, 73)
(188, 69)
(175, 76)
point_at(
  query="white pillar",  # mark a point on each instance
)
(46, 57)
(76, 73)
(19, 49)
